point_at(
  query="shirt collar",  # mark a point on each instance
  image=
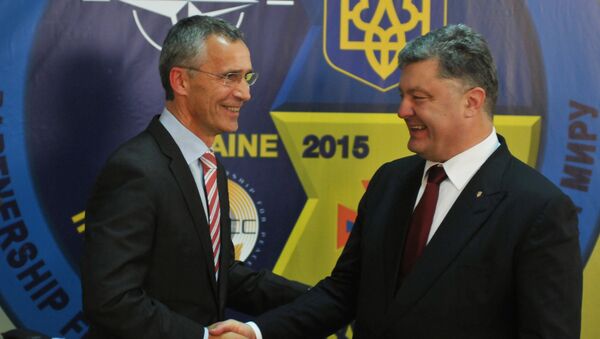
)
(462, 167)
(190, 145)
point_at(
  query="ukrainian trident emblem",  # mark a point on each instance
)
(362, 38)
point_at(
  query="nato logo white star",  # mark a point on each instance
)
(170, 9)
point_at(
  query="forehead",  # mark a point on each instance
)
(424, 75)
(226, 54)
(418, 73)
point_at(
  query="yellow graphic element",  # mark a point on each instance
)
(591, 297)
(349, 333)
(377, 40)
(79, 218)
(310, 252)
(381, 45)
(244, 220)
(238, 250)
(246, 145)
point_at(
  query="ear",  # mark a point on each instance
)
(179, 79)
(475, 101)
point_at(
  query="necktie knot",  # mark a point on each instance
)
(208, 161)
(436, 175)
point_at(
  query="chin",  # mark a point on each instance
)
(232, 128)
(414, 148)
(421, 152)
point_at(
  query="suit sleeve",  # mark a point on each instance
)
(331, 304)
(255, 292)
(250, 291)
(327, 307)
(120, 226)
(549, 274)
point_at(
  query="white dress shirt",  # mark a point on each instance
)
(460, 169)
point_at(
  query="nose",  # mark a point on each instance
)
(242, 91)
(405, 109)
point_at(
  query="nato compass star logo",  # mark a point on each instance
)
(171, 9)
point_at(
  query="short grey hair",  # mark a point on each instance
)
(185, 42)
(462, 54)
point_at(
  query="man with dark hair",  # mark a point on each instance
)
(461, 240)
(158, 259)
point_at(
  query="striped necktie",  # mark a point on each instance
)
(209, 166)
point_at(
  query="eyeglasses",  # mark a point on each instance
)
(230, 78)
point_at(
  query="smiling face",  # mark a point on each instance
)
(437, 111)
(204, 104)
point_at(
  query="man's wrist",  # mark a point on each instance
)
(257, 333)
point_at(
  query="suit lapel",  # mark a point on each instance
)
(465, 218)
(406, 189)
(187, 185)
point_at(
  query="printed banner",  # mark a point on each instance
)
(79, 77)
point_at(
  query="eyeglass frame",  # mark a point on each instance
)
(227, 77)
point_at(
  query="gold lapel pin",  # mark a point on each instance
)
(479, 194)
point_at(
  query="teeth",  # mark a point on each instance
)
(233, 109)
(417, 128)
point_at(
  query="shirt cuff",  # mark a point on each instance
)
(205, 333)
(255, 329)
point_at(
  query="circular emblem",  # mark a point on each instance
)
(246, 219)
(172, 10)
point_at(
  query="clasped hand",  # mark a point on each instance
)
(230, 329)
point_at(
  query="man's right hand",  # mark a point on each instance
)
(229, 327)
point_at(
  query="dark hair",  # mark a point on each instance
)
(185, 42)
(462, 53)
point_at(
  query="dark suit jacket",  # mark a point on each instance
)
(503, 264)
(147, 269)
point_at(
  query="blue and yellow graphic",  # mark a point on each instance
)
(362, 38)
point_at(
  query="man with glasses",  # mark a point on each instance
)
(158, 259)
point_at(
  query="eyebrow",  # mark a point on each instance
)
(413, 90)
(238, 71)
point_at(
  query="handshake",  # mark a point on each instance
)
(231, 329)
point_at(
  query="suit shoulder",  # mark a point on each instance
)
(139, 157)
(141, 149)
(402, 164)
(396, 169)
(523, 178)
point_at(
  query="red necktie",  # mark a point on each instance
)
(420, 222)
(209, 166)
